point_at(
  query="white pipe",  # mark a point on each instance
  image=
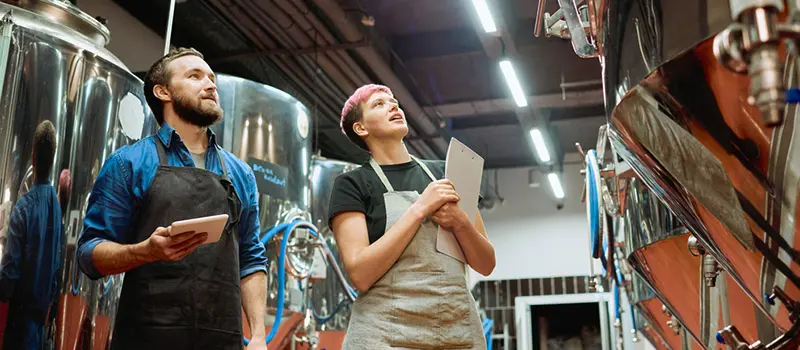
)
(169, 26)
(581, 83)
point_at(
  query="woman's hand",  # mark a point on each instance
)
(436, 194)
(451, 217)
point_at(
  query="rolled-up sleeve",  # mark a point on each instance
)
(252, 255)
(108, 215)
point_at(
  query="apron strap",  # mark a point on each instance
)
(424, 167)
(381, 175)
(385, 181)
(221, 161)
(161, 148)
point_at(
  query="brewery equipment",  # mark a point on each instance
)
(270, 130)
(54, 67)
(328, 297)
(701, 103)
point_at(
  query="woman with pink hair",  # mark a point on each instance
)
(385, 217)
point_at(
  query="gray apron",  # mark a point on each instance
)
(422, 302)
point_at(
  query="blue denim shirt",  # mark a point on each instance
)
(32, 255)
(122, 184)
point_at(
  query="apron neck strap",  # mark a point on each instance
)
(161, 148)
(162, 153)
(377, 168)
(424, 167)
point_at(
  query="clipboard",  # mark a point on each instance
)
(464, 168)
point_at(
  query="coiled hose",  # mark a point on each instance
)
(287, 229)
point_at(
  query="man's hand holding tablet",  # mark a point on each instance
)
(175, 242)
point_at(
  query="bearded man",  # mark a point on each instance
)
(178, 293)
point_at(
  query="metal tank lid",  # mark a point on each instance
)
(65, 13)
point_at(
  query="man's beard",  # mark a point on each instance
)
(197, 114)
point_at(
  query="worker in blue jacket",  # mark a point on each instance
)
(32, 255)
(178, 293)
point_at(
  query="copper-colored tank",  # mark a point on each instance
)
(727, 169)
(658, 250)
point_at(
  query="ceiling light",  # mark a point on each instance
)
(485, 15)
(513, 83)
(555, 184)
(538, 143)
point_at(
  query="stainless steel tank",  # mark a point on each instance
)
(708, 141)
(328, 295)
(270, 130)
(664, 254)
(54, 67)
(648, 316)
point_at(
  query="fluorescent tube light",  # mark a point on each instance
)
(513, 83)
(485, 15)
(555, 184)
(538, 143)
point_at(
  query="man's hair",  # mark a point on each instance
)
(44, 148)
(352, 113)
(159, 74)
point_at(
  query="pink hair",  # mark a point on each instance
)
(360, 96)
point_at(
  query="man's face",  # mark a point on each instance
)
(193, 89)
(382, 117)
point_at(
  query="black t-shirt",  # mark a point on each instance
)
(362, 190)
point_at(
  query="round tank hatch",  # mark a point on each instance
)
(302, 120)
(66, 14)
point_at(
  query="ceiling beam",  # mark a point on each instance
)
(500, 105)
(289, 52)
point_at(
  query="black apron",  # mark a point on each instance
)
(194, 303)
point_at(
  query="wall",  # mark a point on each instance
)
(131, 41)
(531, 237)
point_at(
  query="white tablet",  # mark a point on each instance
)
(213, 225)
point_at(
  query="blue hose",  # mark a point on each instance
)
(75, 281)
(594, 205)
(287, 229)
(616, 302)
(487, 332)
(325, 319)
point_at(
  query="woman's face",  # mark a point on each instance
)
(382, 118)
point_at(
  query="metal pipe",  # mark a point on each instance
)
(581, 84)
(169, 26)
(555, 17)
(329, 106)
(310, 65)
(294, 52)
(336, 268)
(300, 12)
(539, 17)
(593, 19)
(298, 67)
(384, 72)
(291, 23)
(333, 88)
(294, 36)
(290, 70)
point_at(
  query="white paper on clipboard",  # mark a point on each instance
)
(464, 168)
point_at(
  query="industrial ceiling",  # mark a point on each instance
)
(433, 54)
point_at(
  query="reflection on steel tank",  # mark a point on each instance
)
(650, 316)
(270, 130)
(699, 113)
(696, 295)
(328, 298)
(61, 87)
